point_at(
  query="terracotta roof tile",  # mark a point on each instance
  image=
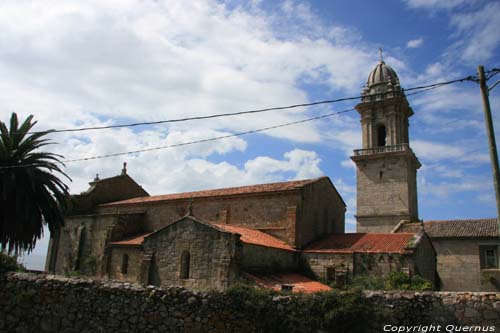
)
(261, 188)
(300, 283)
(462, 228)
(256, 237)
(133, 240)
(362, 242)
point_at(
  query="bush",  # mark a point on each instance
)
(393, 281)
(9, 264)
(334, 311)
(349, 311)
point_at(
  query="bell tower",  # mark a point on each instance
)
(386, 167)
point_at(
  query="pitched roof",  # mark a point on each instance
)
(132, 240)
(247, 235)
(261, 188)
(256, 237)
(300, 283)
(362, 242)
(462, 228)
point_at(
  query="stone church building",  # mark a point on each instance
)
(286, 235)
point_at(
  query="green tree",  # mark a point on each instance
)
(31, 194)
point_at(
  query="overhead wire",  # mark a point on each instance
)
(191, 142)
(420, 90)
(424, 87)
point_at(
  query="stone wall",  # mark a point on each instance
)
(83, 239)
(386, 190)
(425, 259)
(255, 211)
(458, 265)
(322, 211)
(319, 263)
(38, 303)
(355, 264)
(132, 271)
(213, 256)
(256, 257)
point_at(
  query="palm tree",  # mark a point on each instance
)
(31, 195)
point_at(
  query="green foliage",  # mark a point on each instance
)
(368, 282)
(72, 274)
(9, 264)
(31, 195)
(335, 311)
(348, 311)
(402, 281)
(249, 298)
(393, 281)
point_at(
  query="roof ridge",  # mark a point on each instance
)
(266, 187)
(463, 219)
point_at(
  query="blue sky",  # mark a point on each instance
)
(91, 63)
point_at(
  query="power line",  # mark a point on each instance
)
(420, 90)
(440, 84)
(191, 142)
(423, 88)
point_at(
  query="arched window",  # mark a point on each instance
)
(125, 264)
(381, 135)
(185, 259)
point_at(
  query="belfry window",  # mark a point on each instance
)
(185, 262)
(381, 135)
(125, 264)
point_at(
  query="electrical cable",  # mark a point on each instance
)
(420, 90)
(189, 143)
(425, 87)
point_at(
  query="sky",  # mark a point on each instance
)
(94, 63)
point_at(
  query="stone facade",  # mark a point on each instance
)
(57, 304)
(459, 265)
(460, 247)
(297, 216)
(212, 257)
(144, 238)
(338, 265)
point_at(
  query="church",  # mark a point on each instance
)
(284, 236)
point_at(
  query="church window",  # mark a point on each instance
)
(185, 262)
(489, 257)
(381, 135)
(125, 264)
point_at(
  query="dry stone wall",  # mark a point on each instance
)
(39, 303)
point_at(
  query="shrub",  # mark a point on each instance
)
(9, 264)
(393, 281)
(334, 311)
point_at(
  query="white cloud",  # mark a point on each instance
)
(70, 63)
(436, 4)
(415, 43)
(476, 33)
(433, 151)
(445, 190)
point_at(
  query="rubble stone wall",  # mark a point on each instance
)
(40, 303)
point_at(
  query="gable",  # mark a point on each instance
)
(185, 221)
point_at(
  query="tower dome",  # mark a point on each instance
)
(382, 83)
(382, 73)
